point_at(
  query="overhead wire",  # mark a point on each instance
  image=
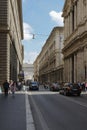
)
(35, 34)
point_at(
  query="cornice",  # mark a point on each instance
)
(20, 15)
(75, 44)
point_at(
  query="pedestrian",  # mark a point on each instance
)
(0, 89)
(10, 83)
(19, 85)
(13, 88)
(83, 85)
(79, 83)
(6, 87)
(86, 86)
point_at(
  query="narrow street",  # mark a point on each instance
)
(43, 110)
(52, 111)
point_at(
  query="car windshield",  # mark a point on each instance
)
(34, 83)
(75, 85)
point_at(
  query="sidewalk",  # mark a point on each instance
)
(15, 113)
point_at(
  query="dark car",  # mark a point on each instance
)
(71, 89)
(33, 85)
(55, 86)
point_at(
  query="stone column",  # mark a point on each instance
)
(66, 27)
(65, 70)
(75, 16)
(8, 57)
(79, 11)
(75, 67)
(70, 23)
(70, 69)
(86, 9)
(80, 71)
(85, 6)
(85, 62)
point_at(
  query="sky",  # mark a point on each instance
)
(39, 19)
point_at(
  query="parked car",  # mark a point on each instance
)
(71, 89)
(55, 87)
(33, 85)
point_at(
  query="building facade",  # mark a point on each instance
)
(28, 70)
(49, 63)
(11, 34)
(36, 68)
(75, 40)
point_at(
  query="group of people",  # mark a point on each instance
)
(84, 86)
(9, 87)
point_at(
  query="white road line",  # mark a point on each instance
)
(42, 121)
(29, 119)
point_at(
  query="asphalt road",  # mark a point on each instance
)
(12, 112)
(52, 111)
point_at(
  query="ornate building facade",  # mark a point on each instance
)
(28, 71)
(11, 34)
(75, 40)
(49, 63)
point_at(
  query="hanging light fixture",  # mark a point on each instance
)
(33, 36)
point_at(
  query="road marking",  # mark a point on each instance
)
(42, 93)
(40, 116)
(29, 119)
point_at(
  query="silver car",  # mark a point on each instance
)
(33, 85)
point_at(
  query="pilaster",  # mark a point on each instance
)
(70, 22)
(75, 67)
(75, 15)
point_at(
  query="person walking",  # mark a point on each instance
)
(6, 87)
(13, 88)
(10, 84)
(86, 86)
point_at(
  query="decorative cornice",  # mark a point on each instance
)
(73, 45)
(20, 15)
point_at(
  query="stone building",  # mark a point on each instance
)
(49, 63)
(28, 71)
(11, 34)
(36, 68)
(75, 40)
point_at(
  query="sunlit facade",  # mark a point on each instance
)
(75, 40)
(49, 63)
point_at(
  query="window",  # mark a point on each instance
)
(73, 18)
